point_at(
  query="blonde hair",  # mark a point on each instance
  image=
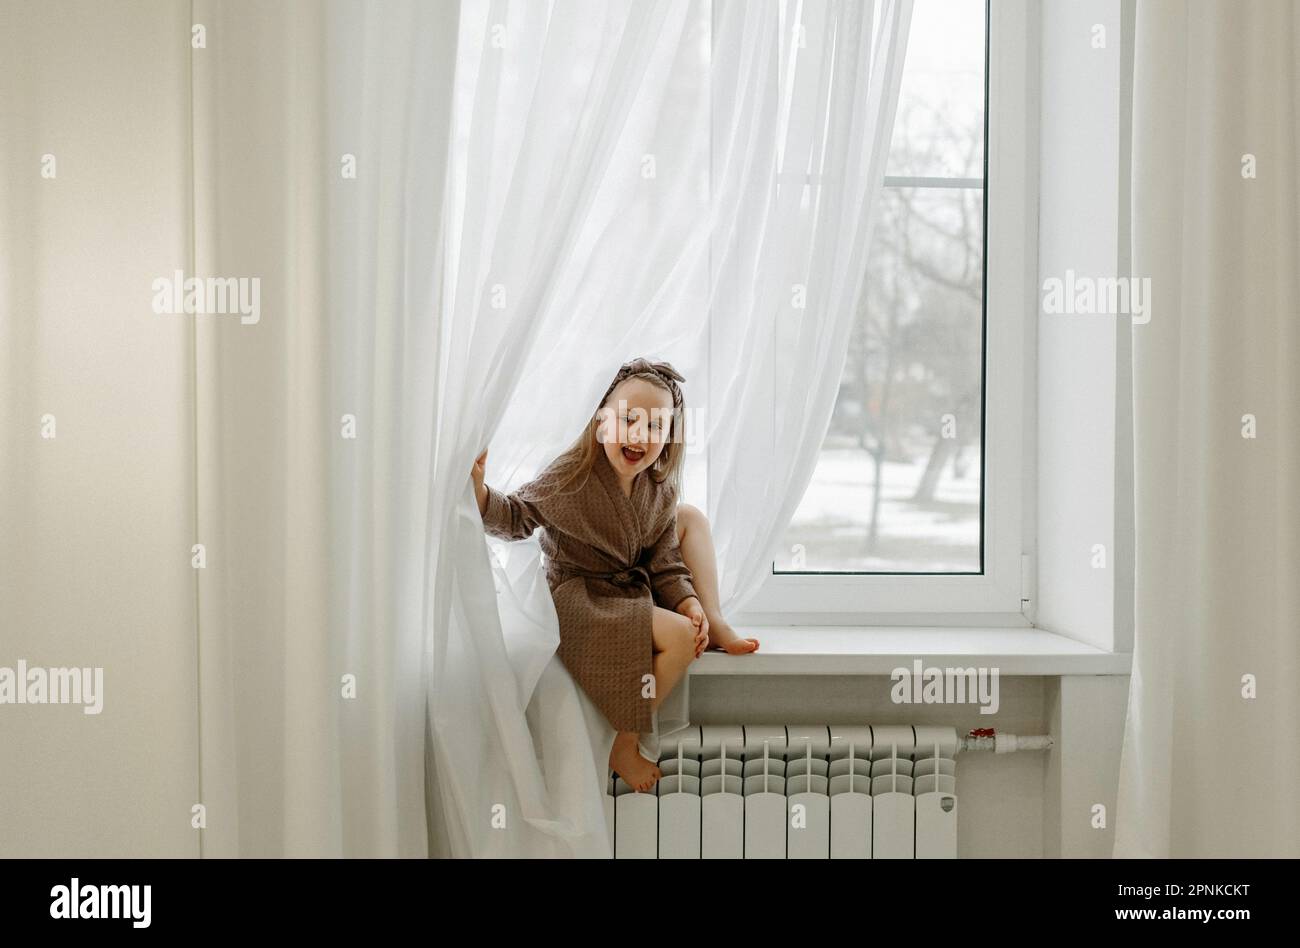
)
(579, 457)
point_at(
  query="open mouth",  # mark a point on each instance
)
(633, 455)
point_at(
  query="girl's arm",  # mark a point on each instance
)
(511, 516)
(669, 575)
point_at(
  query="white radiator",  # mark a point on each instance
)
(797, 792)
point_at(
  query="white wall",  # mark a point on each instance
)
(1079, 203)
(1083, 432)
(95, 524)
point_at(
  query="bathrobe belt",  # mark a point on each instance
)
(631, 577)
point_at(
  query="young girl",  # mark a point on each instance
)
(632, 572)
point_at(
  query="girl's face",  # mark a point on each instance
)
(635, 424)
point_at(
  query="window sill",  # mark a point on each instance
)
(840, 650)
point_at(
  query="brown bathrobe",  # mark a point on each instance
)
(609, 560)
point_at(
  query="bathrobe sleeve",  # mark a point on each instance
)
(539, 503)
(669, 575)
(512, 516)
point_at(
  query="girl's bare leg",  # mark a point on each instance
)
(674, 645)
(696, 544)
(674, 650)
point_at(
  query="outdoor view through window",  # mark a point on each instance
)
(897, 485)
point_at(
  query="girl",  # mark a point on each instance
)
(632, 572)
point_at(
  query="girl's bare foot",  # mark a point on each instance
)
(626, 761)
(724, 638)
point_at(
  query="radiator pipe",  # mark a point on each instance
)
(989, 739)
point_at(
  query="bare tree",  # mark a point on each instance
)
(914, 353)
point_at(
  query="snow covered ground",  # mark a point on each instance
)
(833, 522)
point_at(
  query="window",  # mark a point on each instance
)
(914, 512)
(897, 484)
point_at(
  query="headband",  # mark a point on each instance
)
(663, 370)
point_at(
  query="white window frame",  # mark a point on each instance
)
(1000, 595)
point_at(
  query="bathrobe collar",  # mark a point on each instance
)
(632, 508)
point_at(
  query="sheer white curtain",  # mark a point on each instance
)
(334, 435)
(1209, 767)
(746, 163)
(551, 100)
(801, 166)
(750, 282)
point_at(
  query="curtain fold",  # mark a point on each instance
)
(800, 209)
(314, 422)
(1209, 766)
